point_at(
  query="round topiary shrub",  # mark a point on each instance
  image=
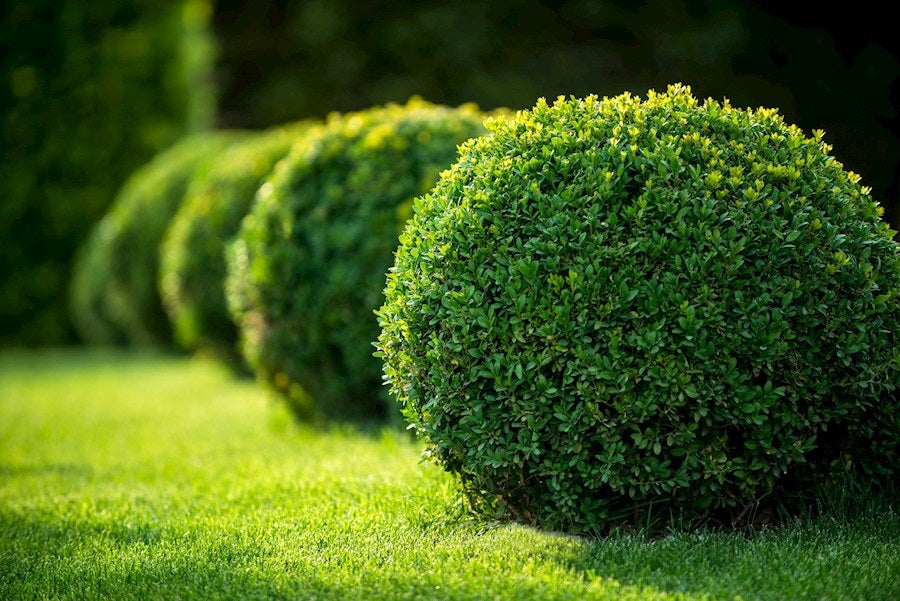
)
(307, 270)
(115, 283)
(612, 308)
(192, 255)
(87, 297)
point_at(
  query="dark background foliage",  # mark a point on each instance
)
(90, 90)
(825, 68)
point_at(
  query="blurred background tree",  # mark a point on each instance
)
(92, 89)
(832, 67)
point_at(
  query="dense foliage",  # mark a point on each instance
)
(114, 287)
(614, 307)
(192, 255)
(90, 91)
(307, 269)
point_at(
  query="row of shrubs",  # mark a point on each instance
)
(605, 308)
(306, 271)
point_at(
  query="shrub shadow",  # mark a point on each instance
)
(107, 559)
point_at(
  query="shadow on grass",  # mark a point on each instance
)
(99, 558)
(104, 560)
(60, 470)
(849, 551)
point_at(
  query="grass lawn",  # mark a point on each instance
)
(130, 476)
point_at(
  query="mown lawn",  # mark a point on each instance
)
(128, 476)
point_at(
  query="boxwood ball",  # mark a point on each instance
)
(192, 253)
(307, 269)
(114, 287)
(609, 307)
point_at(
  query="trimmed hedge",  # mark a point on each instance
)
(612, 308)
(91, 91)
(114, 293)
(192, 255)
(306, 271)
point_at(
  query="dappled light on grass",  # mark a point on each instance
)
(148, 476)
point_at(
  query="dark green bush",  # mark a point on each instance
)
(306, 271)
(90, 91)
(114, 294)
(87, 290)
(610, 308)
(192, 255)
